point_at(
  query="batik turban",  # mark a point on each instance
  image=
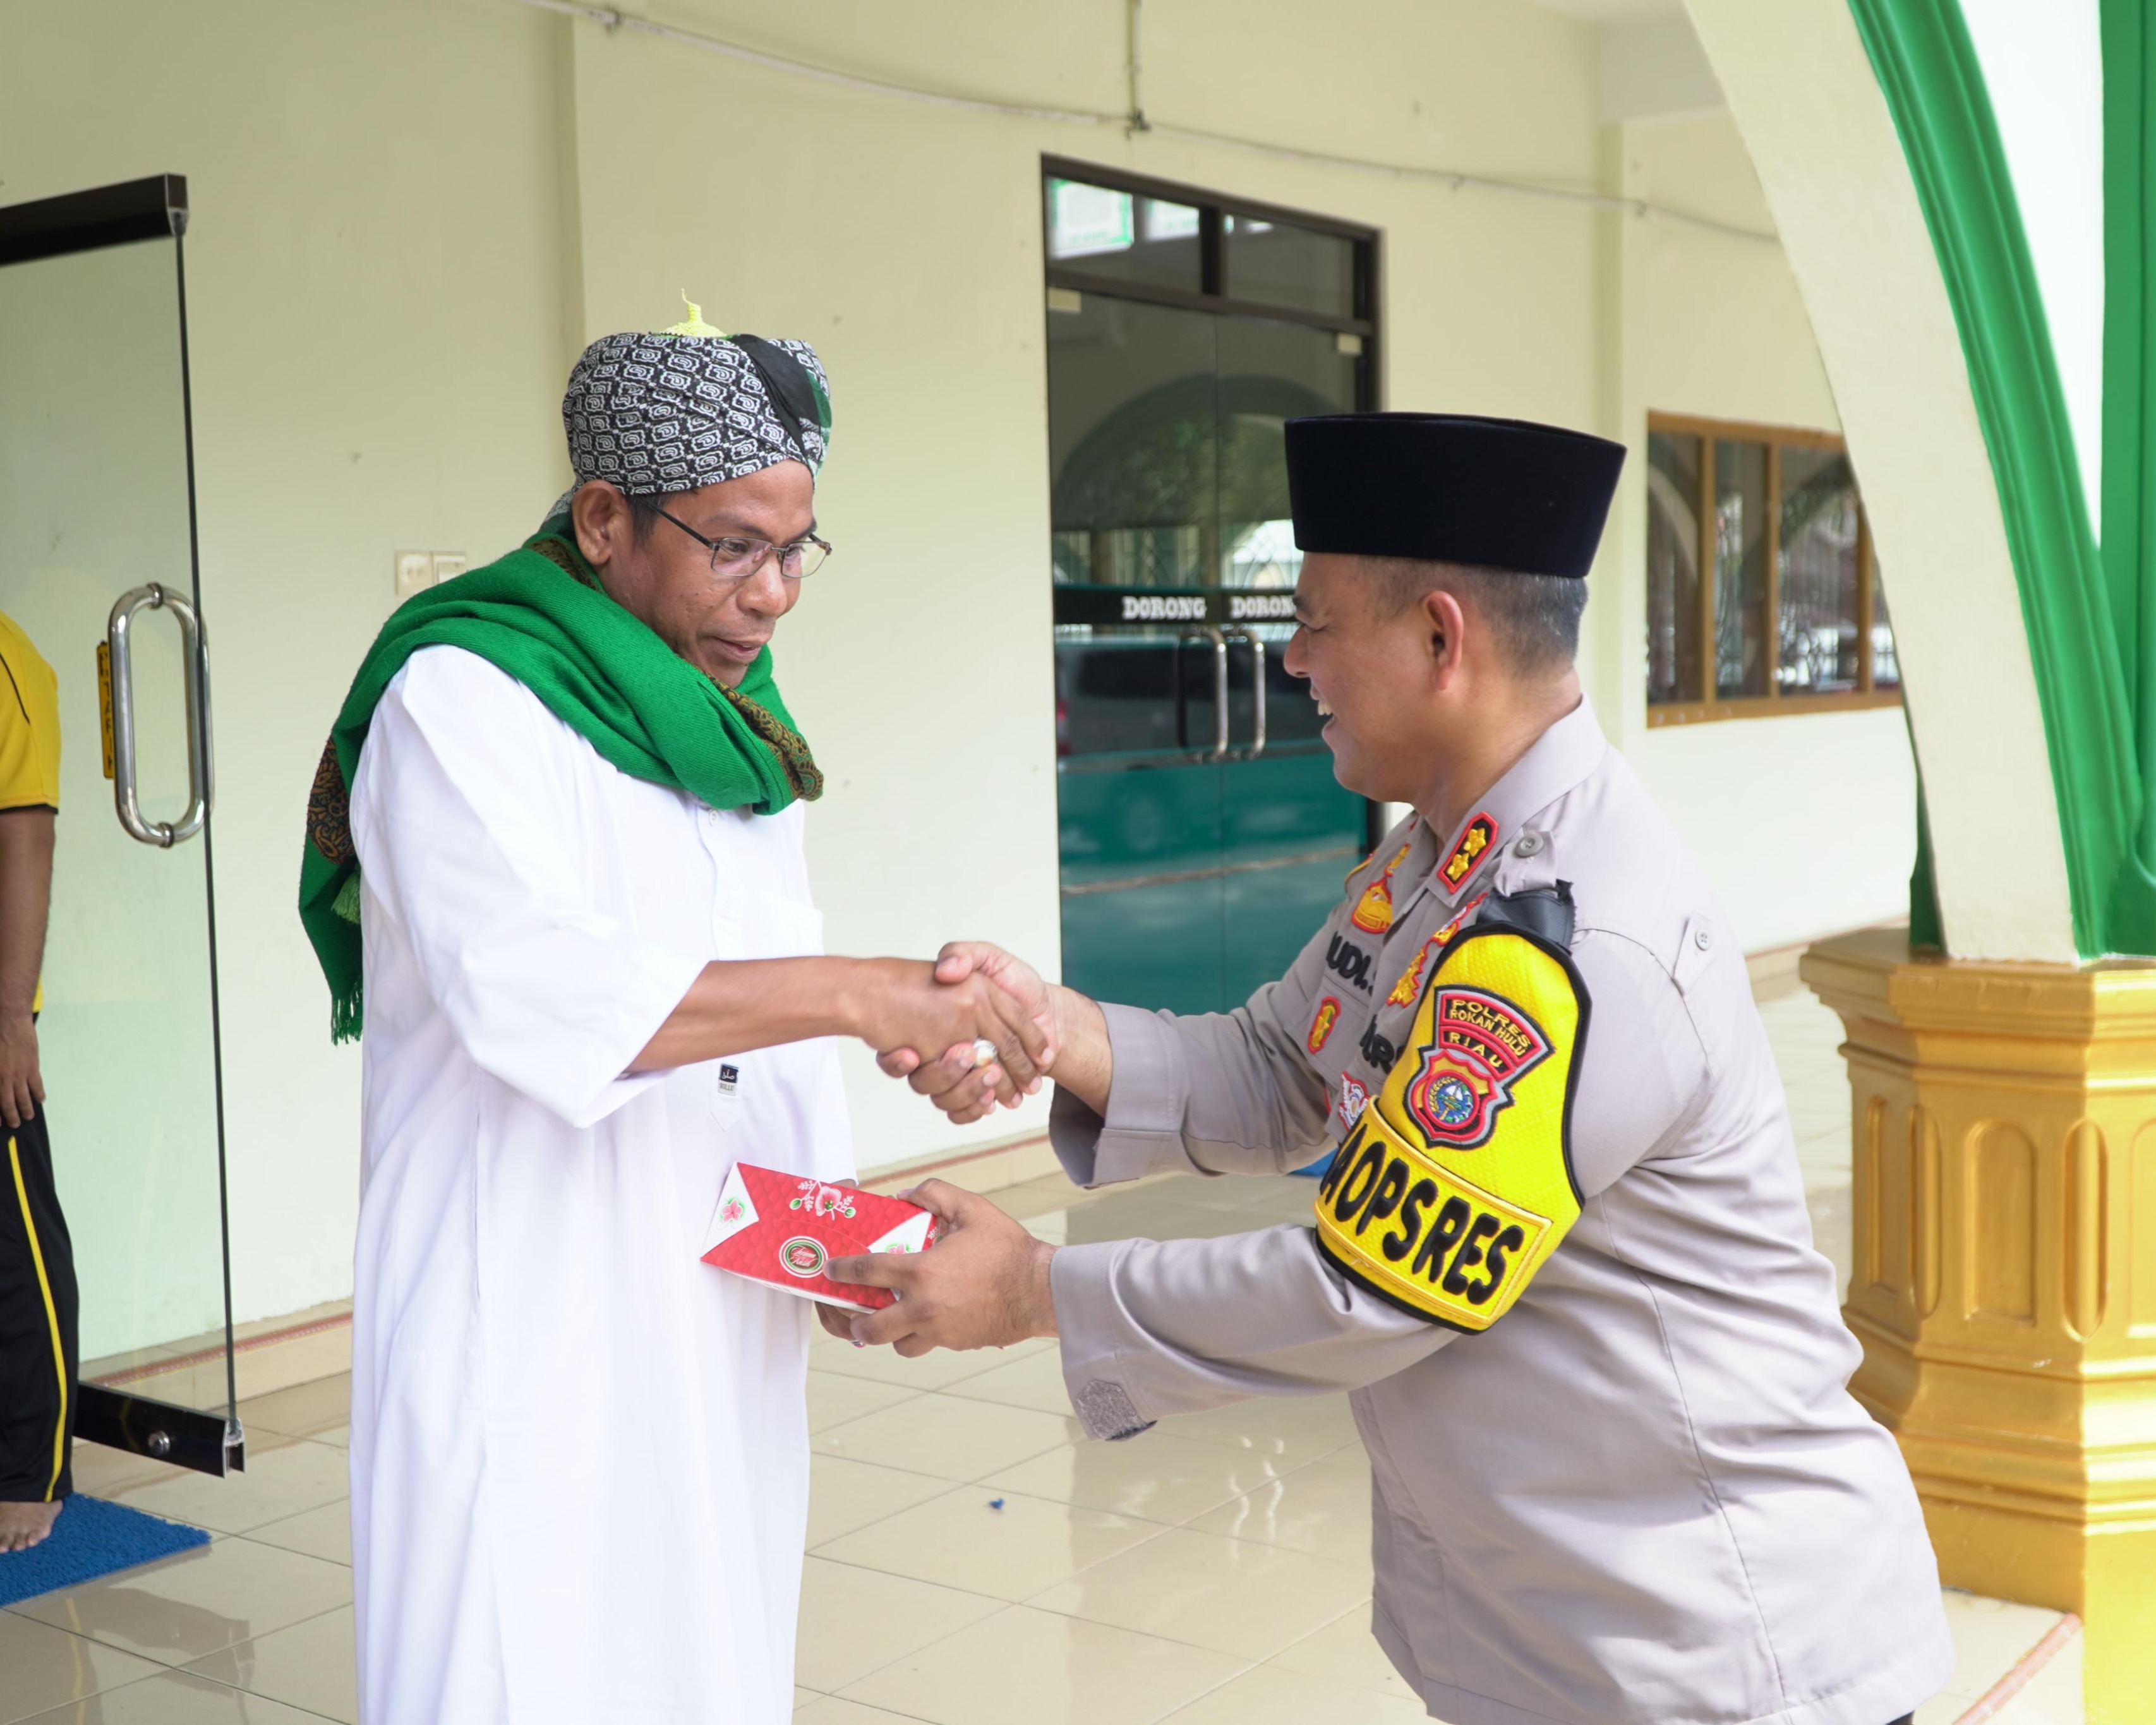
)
(689, 407)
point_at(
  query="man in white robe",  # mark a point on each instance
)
(579, 1455)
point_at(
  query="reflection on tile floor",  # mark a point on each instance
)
(967, 1546)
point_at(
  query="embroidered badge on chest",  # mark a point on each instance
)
(1321, 1025)
(1481, 834)
(1409, 988)
(1374, 910)
(1485, 1046)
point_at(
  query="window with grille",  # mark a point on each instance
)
(1763, 587)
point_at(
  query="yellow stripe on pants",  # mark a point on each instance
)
(52, 1316)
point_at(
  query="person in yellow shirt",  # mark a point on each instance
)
(38, 1357)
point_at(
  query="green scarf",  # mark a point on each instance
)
(540, 614)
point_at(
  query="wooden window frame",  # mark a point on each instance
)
(1711, 705)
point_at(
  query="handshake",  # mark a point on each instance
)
(978, 1028)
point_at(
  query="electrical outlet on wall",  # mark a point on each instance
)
(418, 569)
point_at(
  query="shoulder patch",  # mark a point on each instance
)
(1456, 1183)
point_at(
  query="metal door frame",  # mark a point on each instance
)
(156, 207)
(1367, 321)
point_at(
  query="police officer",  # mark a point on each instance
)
(1562, 1259)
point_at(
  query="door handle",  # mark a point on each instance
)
(119, 670)
(1249, 638)
(1211, 634)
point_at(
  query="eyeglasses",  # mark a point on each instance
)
(734, 559)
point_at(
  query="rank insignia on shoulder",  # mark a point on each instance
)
(1321, 1023)
(1481, 834)
(1374, 910)
(1455, 1184)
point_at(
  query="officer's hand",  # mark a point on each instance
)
(961, 1088)
(22, 1086)
(984, 1283)
(909, 1007)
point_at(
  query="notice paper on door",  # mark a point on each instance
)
(783, 1229)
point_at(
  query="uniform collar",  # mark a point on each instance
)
(1558, 761)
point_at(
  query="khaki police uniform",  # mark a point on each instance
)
(1563, 1263)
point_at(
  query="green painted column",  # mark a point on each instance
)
(2081, 609)
(2129, 437)
(2003, 1116)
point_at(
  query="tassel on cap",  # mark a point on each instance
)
(693, 324)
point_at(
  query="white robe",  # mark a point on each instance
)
(579, 1456)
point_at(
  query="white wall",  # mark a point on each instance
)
(374, 274)
(920, 665)
(1818, 130)
(1806, 824)
(2043, 71)
(409, 216)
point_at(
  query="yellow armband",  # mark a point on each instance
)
(1456, 1183)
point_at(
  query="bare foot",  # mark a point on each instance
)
(24, 1525)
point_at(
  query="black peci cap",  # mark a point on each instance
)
(1453, 488)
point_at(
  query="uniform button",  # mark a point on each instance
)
(1702, 938)
(1527, 845)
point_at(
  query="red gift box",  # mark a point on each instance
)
(782, 1228)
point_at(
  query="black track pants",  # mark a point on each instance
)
(38, 1356)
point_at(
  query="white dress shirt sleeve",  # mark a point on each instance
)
(469, 836)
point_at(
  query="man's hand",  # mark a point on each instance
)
(1081, 1061)
(984, 1283)
(22, 1086)
(954, 1081)
(26, 893)
(738, 1004)
(960, 1002)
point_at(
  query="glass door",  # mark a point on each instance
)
(1203, 835)
(97, 567)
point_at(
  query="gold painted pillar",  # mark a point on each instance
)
(2003, 1280)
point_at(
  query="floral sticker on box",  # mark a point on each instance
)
(783, 1230)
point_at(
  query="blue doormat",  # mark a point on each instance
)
(91, 1538)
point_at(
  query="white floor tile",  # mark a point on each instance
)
(1046, 1669)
